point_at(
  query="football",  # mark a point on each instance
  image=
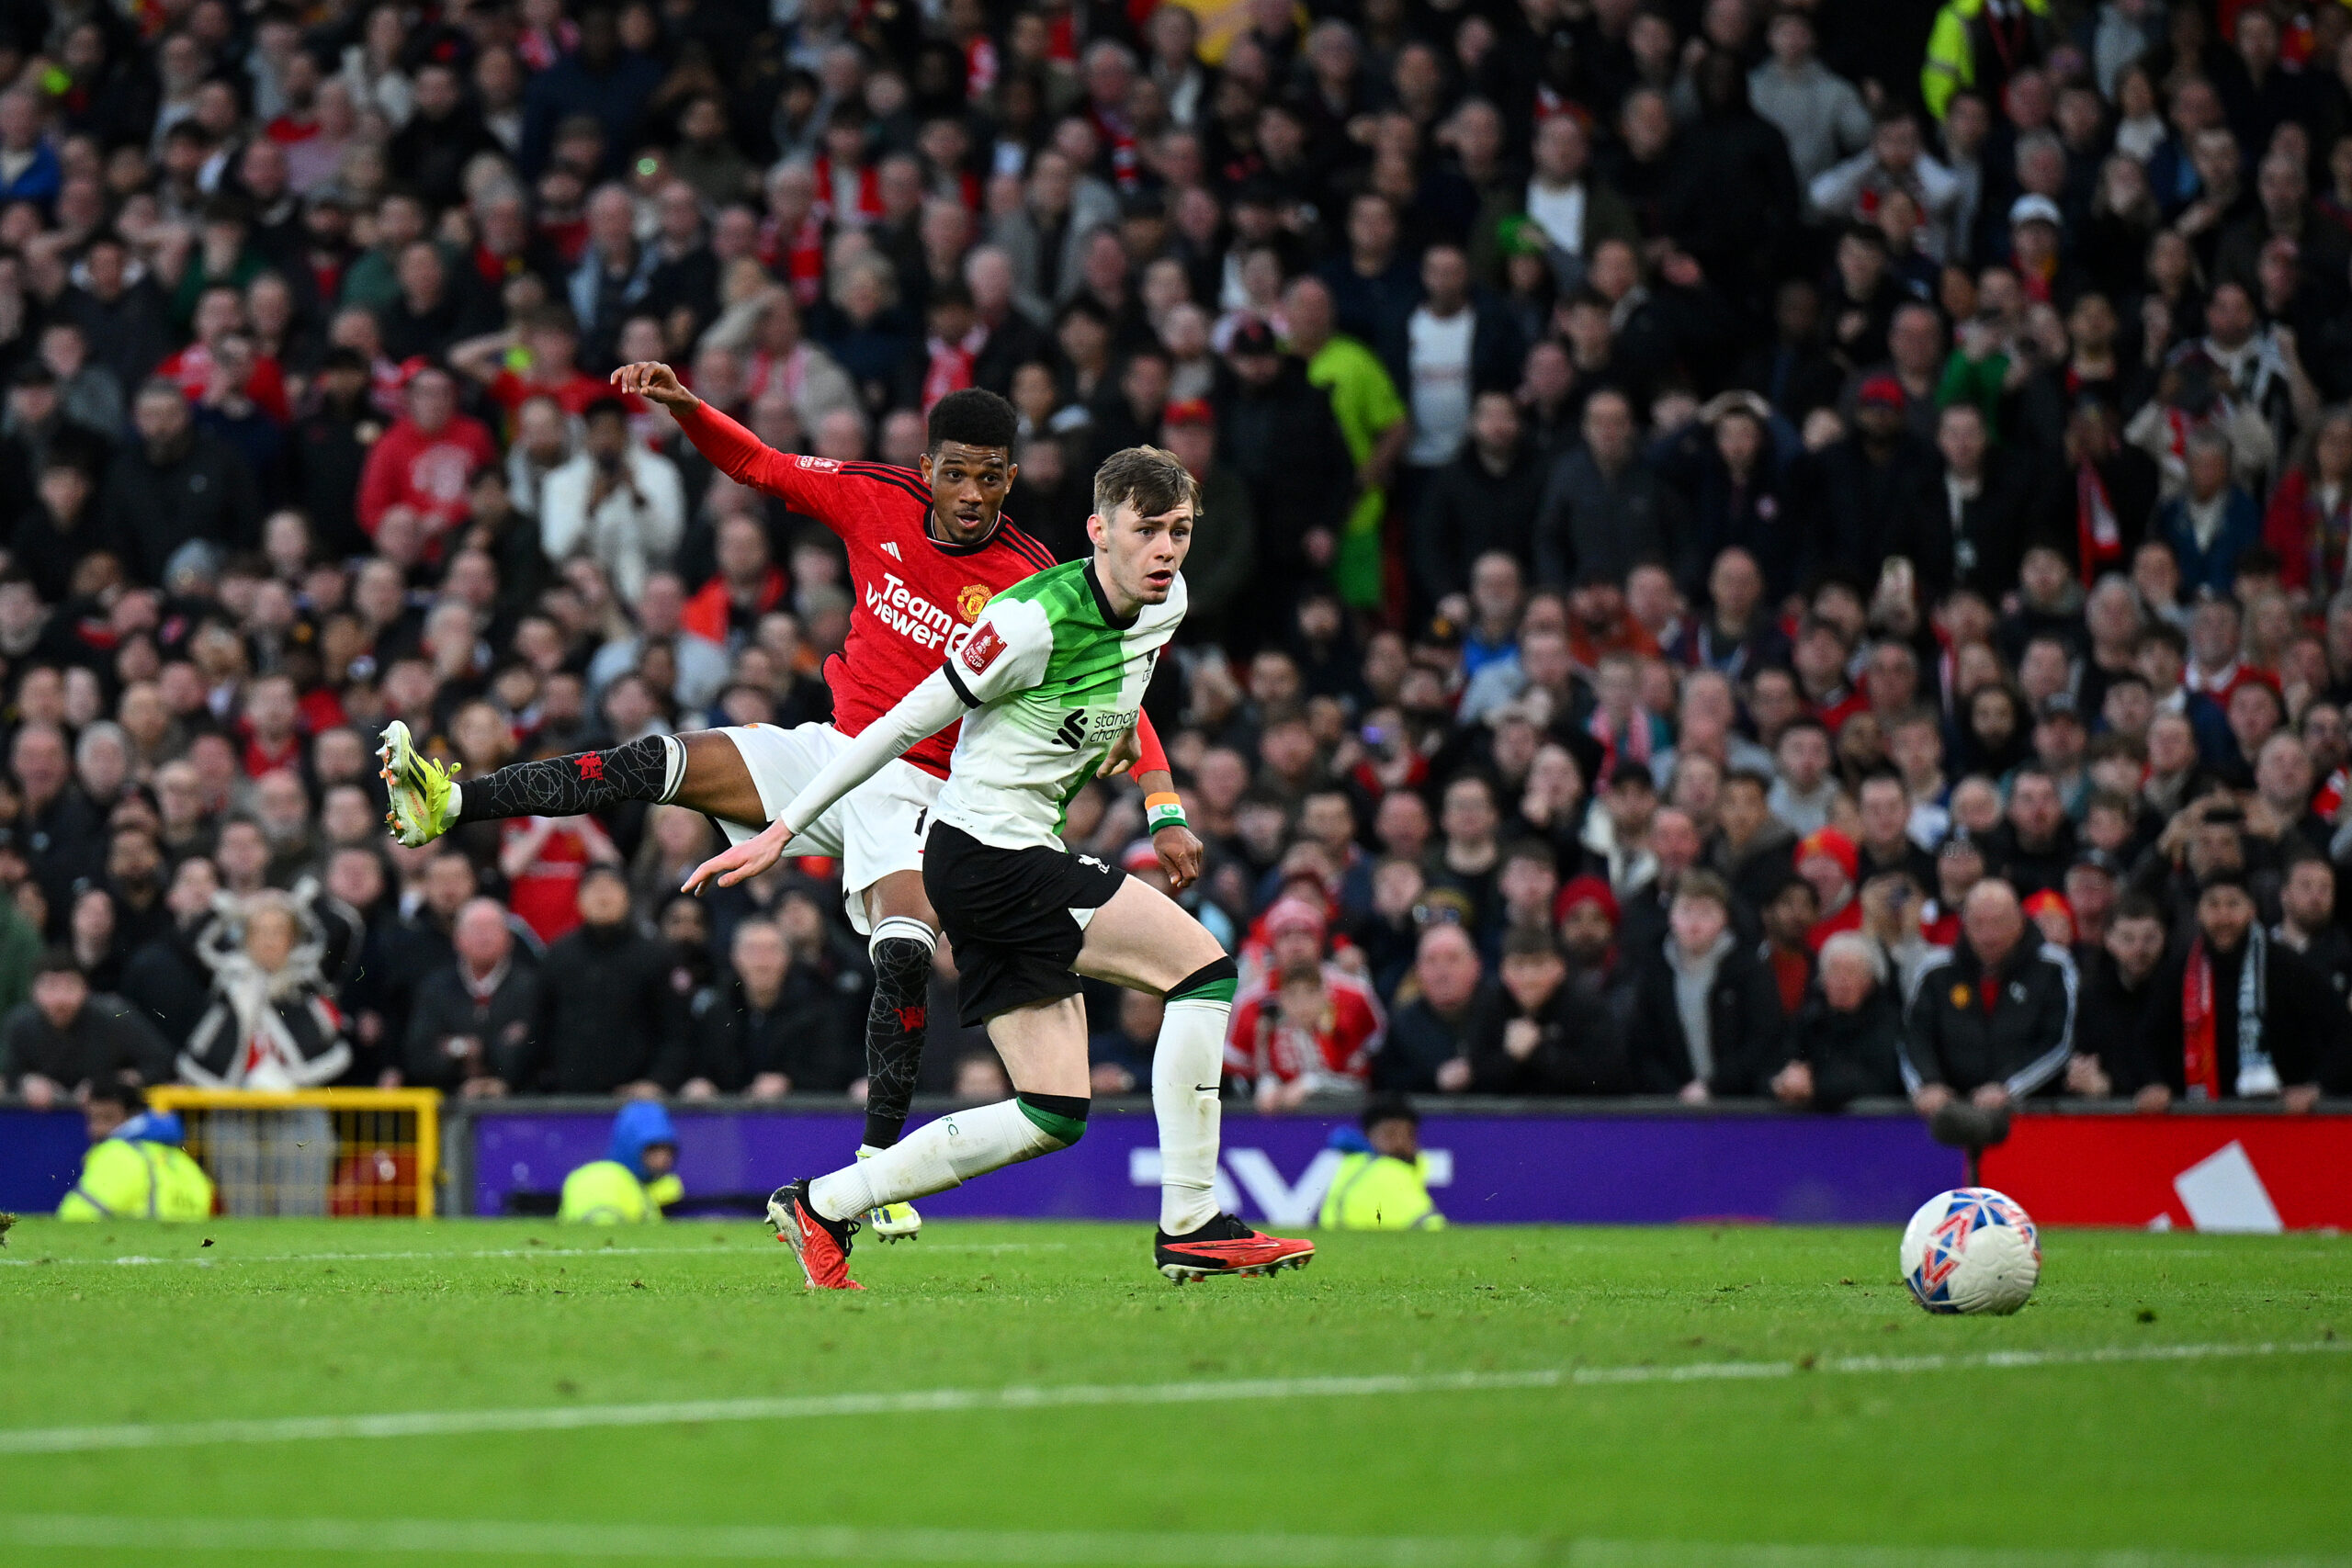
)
(1972, 1249)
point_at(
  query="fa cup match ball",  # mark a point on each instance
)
(1970, 1250)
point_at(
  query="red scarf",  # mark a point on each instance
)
(950, 366)
(981, 67)
(2099, 542)
(869, 194)
(2200, 1056)
(1118, 133)
(800, 256)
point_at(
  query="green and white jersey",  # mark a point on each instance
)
(1054, 681)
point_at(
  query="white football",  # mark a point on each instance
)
(1970, 1250)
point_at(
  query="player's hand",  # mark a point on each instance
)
(655, 382)
(2085, 1078)
(1124, 753)
(1179, 855)
(744, 862)
(1793, 1085)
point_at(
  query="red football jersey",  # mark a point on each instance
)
(1335, 1051)
(916, 596)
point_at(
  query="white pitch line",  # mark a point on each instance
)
(921, 1402)
(1127, 1550)
(749, 1246)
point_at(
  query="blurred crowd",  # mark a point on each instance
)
(1779, 550)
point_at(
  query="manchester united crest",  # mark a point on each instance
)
(971, 601)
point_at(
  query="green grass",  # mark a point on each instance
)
(2237, 1458)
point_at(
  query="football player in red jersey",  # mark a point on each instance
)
(927, 548)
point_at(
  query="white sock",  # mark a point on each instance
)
(456, 799)
(673, 767)
(866, 1151)
(933, 1158)
(1186, 1068)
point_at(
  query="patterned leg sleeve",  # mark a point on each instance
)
(895, 1022)
(647, 769)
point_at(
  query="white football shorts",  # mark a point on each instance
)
(874, 830)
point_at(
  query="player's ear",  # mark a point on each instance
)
(923, 466)
(1096, 530)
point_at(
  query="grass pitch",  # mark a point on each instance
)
(508, 1390)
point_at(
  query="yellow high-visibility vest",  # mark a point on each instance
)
(1375, 1192)
(607, 1193)
(123, 1180)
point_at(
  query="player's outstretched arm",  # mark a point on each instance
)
(733, 450)
(931, 707)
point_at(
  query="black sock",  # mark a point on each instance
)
(584, 783)
(895, 1021)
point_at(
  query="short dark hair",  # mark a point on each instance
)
(2136, 907)
(1536, 849)
(1801, 722)
(1151, 478)
(129, 1097)
(1529, 941)
(598, 872)
(2108, 800)
(972, 417)
(59, 961)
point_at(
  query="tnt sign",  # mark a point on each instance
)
(1279, 1202)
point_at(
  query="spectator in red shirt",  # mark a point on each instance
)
(220, 311)
(423, 463)
(549, 344)
(1309, 1027)
(1788, 919)
(1828, 861)
(544, 859)
(273, 725)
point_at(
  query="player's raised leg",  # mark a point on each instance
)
(1143, 940)
(703, 771)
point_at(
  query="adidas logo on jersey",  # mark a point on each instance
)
(890, 548)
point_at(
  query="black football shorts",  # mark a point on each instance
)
(1013, 917)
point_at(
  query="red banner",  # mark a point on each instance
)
(2208, 1173)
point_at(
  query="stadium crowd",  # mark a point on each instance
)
(1758, 550)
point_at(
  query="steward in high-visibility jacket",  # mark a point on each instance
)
(633, 1182)
(1382, 1182)
(136, 1168)
(2001, 37)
